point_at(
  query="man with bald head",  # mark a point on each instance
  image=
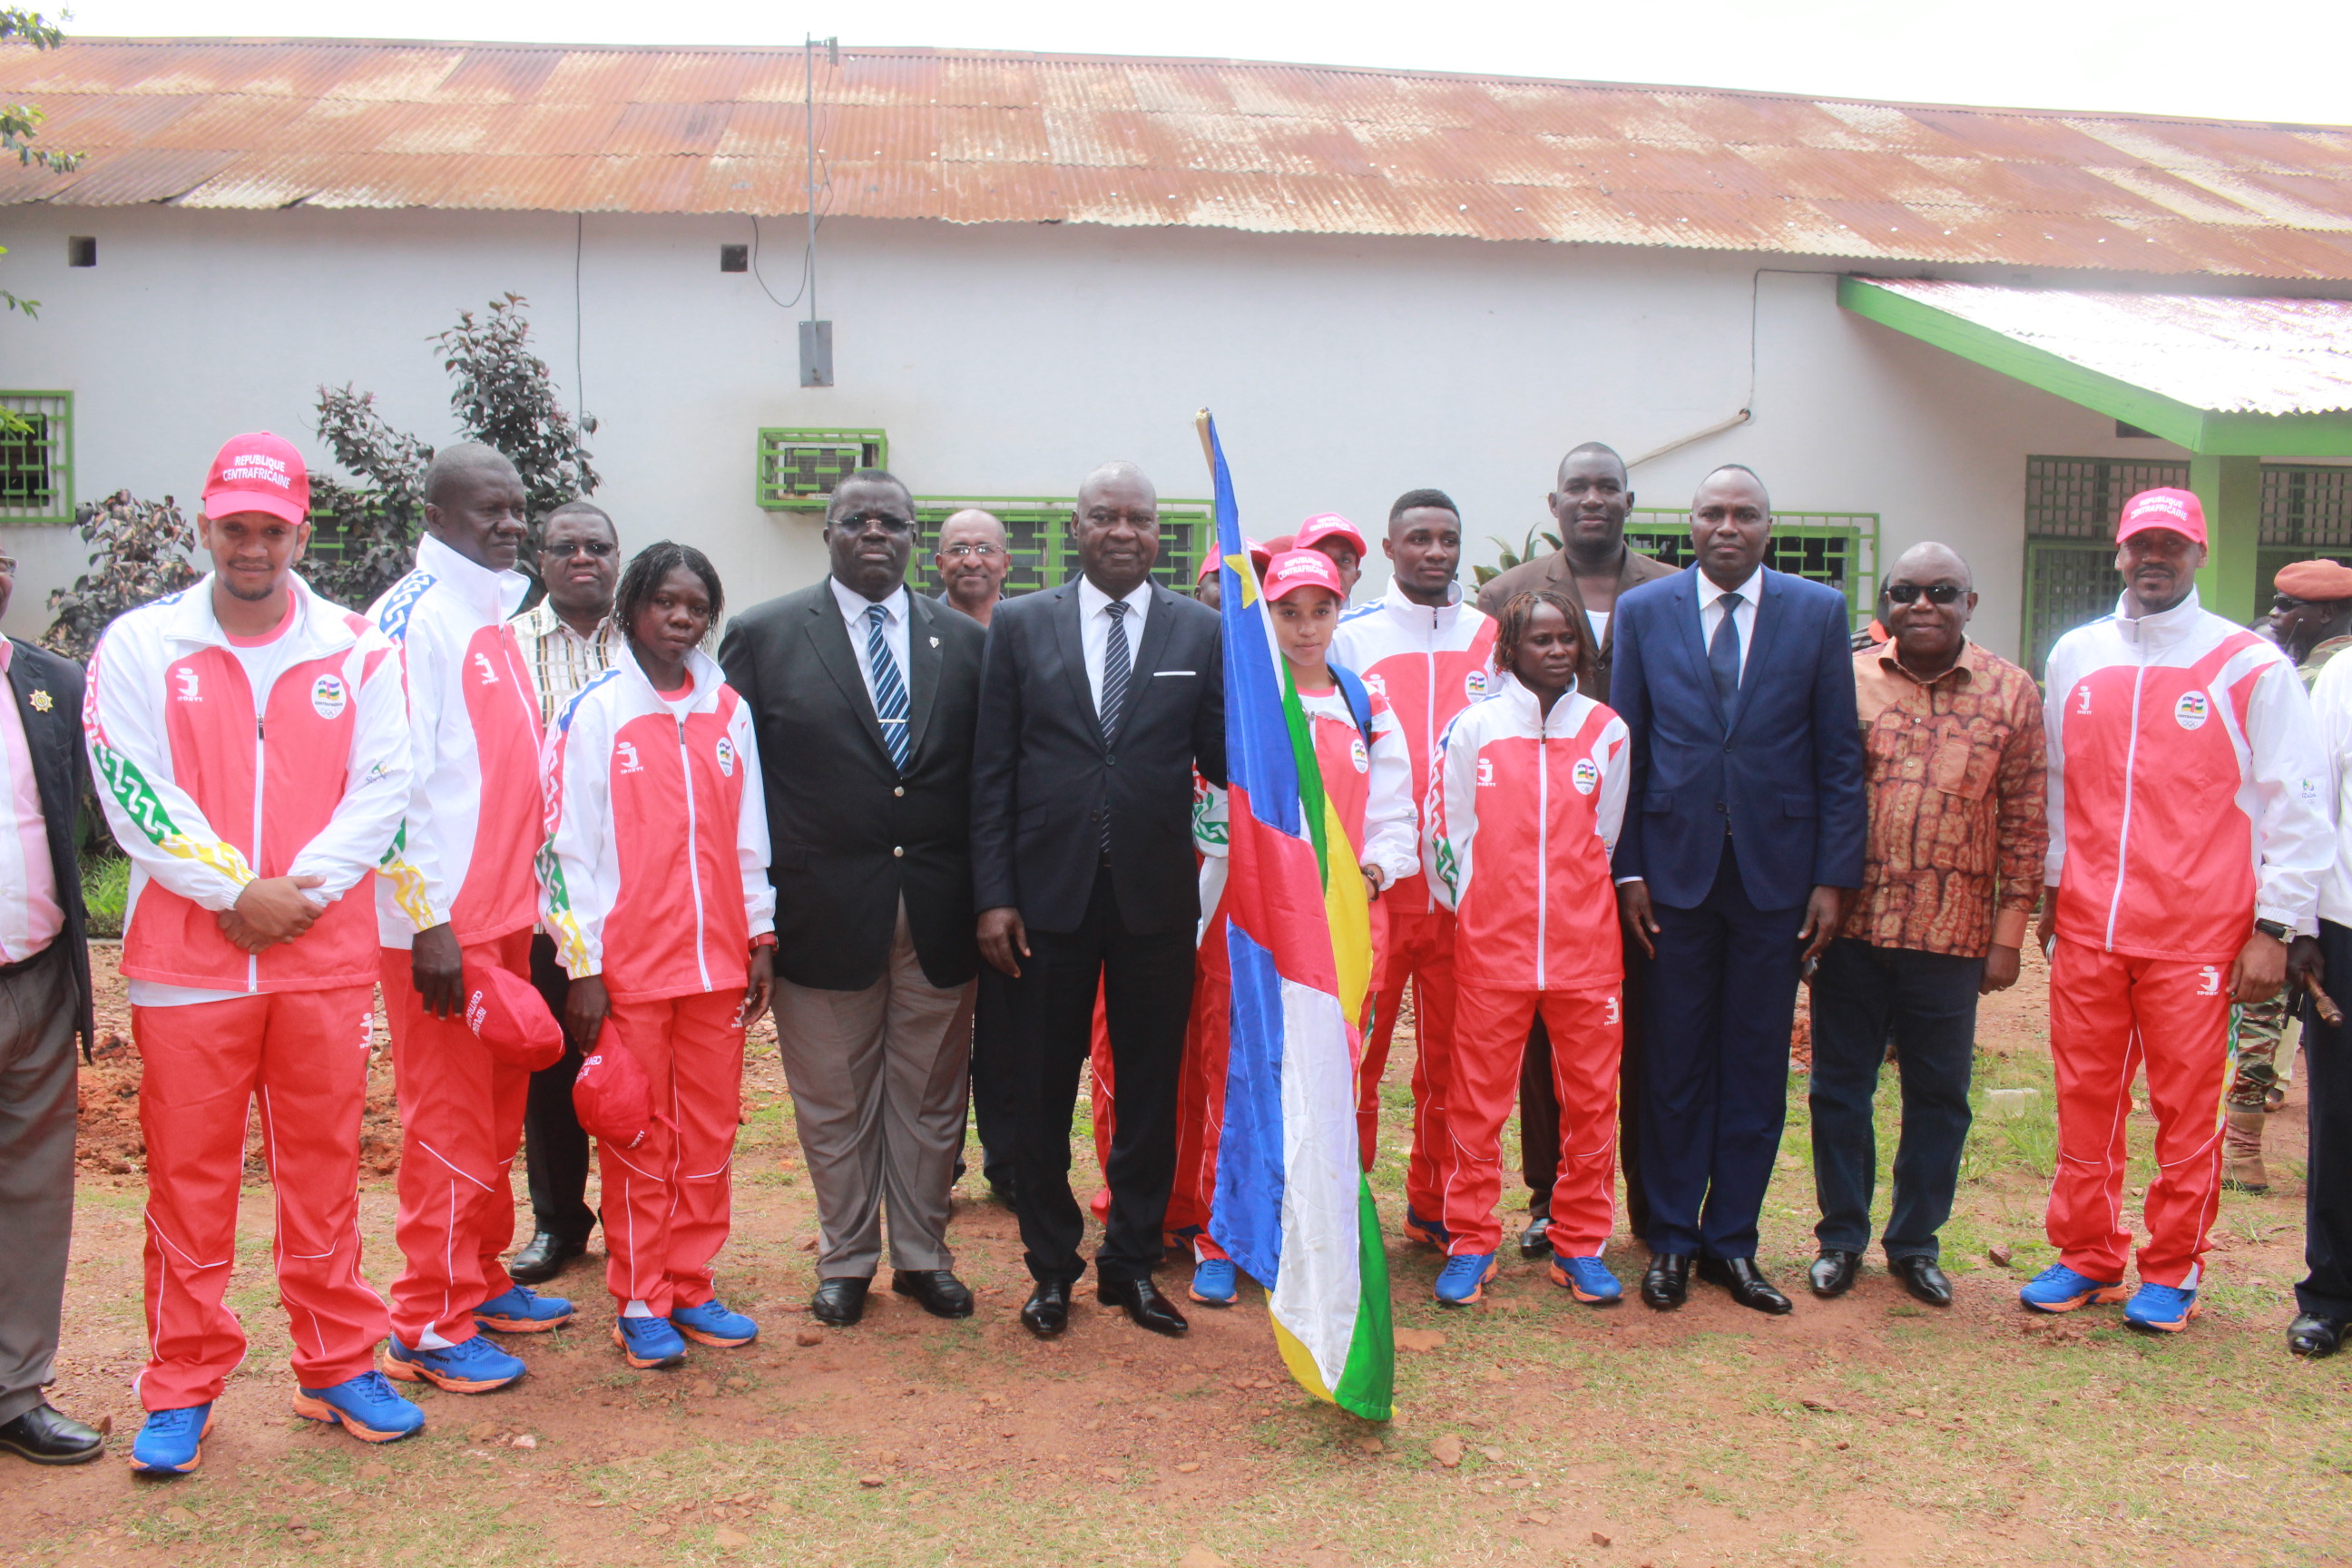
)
(1952, 736)
(1743, 833)
(1098, 700)
(973, 559)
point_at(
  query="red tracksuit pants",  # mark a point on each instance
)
(1588, 1036)
(665, 1208)
(1420, 948)
(1201, 1108)
(460, 1123)
(2109, 1015)
(302, 1056)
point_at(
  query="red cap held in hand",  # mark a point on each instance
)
(511, 1018)
(613, 1095)
(259, 472)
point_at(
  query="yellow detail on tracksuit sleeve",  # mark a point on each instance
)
(408, 890)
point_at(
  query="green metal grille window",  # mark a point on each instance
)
(2083, 497)
(1038, 528)
(798, 469)
(37, 457)
(1839, 549)
(2307, 509)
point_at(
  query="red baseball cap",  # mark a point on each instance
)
(2179, 510)
(1296, 569)
(259, 472)
(613, 1096)
(508, 1014)
(1260, 557)
(1331, 525)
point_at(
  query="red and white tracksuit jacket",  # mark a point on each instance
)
(656, 876)
(2188, 797)
(213, 776)
(1523, 813)
(1369, 787)
(1430, 664)
(463, 857)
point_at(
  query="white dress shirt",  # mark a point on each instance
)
(1094, 632)
(1710, 614)
(854, 605)
(30, 915)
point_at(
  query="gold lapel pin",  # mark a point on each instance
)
(41, 701)
(935, 642)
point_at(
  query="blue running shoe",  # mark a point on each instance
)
(2059, 1288)
(172, 1442)
(1464, 1279)
(648, 1342)
(522, 1310)
(1214, 1283)
(1427, 1232)
(367, 1406)
(2161, 1308)
(476, 1367)
(712, 1324)
(1588, 1280)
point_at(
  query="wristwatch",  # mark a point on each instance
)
(2274, 931)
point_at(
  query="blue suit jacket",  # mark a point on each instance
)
(1784, 766)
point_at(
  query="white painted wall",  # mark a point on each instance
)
(1009, 360)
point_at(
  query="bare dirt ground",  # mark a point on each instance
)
(1529, 1430)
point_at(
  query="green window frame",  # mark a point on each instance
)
(36, 458)
(1837, 549)
(1038, 530)
(798, 469)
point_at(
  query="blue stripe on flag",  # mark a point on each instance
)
(1258, 755)
(1250, 1171)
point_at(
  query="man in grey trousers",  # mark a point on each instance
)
(45, 1006)
(863, 695)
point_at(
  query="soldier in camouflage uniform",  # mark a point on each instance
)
(2311, 618)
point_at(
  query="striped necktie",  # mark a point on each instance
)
(889, 690)
(1116, 669)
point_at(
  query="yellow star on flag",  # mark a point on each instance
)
(1240, 562)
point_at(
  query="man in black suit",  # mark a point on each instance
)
(1098, 700)
(863, 697)
(45, 1005)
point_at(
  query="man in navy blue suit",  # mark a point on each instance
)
(1743, 837)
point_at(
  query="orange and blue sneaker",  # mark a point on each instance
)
(1588, 1280)
(520, 1309)
(1428, 1232)
(367, 1406)
(2059, 1288)
(2160, 1309)
(1214, 1283)
(172, 1442)
(648, 1342)
(1464, 1279)
(712, 1324)
(476, 1367)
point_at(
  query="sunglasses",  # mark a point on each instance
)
(1936, 593)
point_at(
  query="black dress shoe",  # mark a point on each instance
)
(48, 1436)
(1923, 1278)
(544, 1258)
(1749, 1289)
(840, 1300)
(1047, 1310)
(1144, 1303)
(1666, 1283)
(1536, 1240)
(2314, 1336)
(1833, 1272)
(942, 1295)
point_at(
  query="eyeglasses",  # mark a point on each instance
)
(887, 522)
(959, 552)
(595, 549)
(7, 566)
(1938, 592)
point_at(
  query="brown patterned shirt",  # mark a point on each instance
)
(1958, 817)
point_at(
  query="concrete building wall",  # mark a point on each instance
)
(1009, 360)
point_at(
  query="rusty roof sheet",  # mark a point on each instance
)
(967, 137)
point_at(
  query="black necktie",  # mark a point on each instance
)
(1116, 666)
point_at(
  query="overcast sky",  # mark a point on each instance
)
(2278, 60)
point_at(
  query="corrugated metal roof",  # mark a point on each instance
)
(1010, 138)
(2227, 355)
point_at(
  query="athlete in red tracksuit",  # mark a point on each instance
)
(254, 778)
(457, 892)
(1430, 654)
(1525, 797)
(2188, 831)
(657, 893)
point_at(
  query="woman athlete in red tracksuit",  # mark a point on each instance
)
(655, 886)
(1525, 796)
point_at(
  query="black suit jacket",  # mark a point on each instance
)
(1043, 777)
(61, 769)
(849, 835)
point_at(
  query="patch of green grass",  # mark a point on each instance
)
(106, 888)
